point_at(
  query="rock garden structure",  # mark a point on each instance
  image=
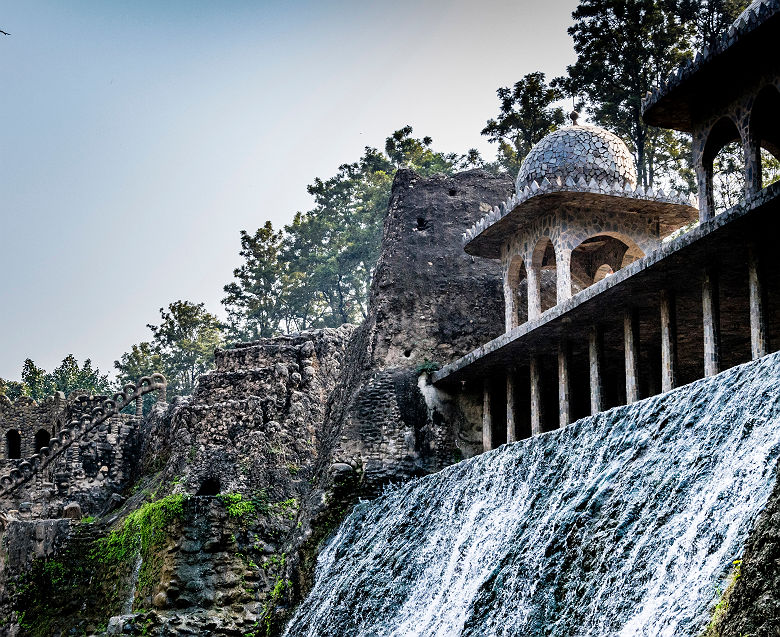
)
(206, 516)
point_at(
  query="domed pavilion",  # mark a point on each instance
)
(578, 215)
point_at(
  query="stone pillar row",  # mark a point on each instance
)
(759, 342)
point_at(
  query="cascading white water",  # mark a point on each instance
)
(622, 524)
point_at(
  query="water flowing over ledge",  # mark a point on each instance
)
(621, 524)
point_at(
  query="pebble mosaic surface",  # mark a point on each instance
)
(578, 151)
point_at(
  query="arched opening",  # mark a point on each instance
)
(13, 445)
(517, 291)
(765, 136)
(210, 486)
(42, 438)
(724, 166)
(599, 256)
(544, 263)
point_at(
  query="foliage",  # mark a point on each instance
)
(69, 376)
(317, 271)
(182, 347)
(624, 47)
(526, 115)
(427, 367)
(143, 533)
(235, 505)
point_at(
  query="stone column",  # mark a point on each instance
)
(162, 394)
(487, 418)
(668, 341)
(511, 425)
(564, 404)
(563, 274)
(534, 292)
(536, 396)
(752, 151)
(711, 321)
(759, 341)
(139, 406)
(595, 359)
(703, 180)
(631, 341)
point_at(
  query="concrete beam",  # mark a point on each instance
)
(511, 424)
(668, 341)
(536, 396)
(487, 418)
(564, 403)
(595, 359)
(711, 321)
(631, 346)
(759, 338)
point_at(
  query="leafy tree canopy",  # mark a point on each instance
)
(527, 113)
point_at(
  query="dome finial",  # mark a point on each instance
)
(574, 115)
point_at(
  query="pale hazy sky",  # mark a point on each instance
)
(139, 137)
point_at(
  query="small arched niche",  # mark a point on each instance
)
(599, 256)
(517, 290)
(724, 166)
(42, 438)
(210, 486)
(765, 136)
(13, 444)
(545, 264)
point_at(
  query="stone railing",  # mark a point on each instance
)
(580, 185)
(79, 428)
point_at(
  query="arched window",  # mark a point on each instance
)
(13, 444)
(599, 256)
(724, 166)
(42, 438)
(517, 289)
(544, 263)
(765, 136)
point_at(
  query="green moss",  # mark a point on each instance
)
(143, 532)
(236, 505)
(426, 367)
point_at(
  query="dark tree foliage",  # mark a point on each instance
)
(624, 47)
(527, 114)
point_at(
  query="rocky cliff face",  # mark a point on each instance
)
(238, 485)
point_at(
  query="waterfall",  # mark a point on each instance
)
(622, 524)
(127, 609)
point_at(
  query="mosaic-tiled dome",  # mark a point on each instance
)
(574, 151)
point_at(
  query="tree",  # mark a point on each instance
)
(35, 379)
(708, 19)
(185, 341)
(69, 377)
(317, 271)
(526, 115)
(254, 301)
(623, 48)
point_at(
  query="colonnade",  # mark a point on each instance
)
(667, 321)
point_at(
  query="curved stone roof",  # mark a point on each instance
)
(588, 152)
